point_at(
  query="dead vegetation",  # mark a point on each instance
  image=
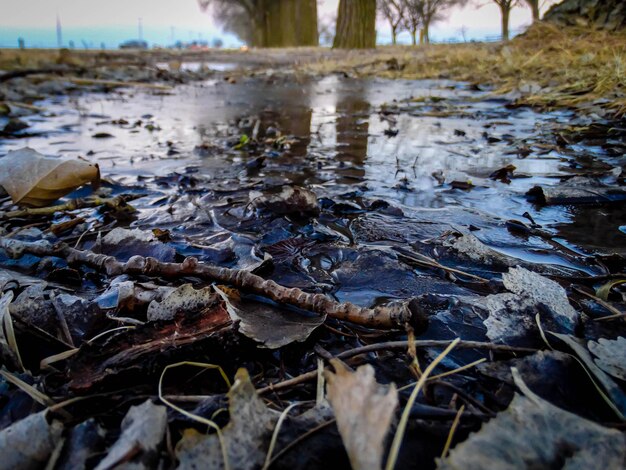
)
(550, 66)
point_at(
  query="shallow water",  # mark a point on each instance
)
(403, 142)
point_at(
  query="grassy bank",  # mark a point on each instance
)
(552, 66)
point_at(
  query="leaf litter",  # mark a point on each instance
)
(269, 251)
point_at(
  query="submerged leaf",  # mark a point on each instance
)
(33, 179)
(364, 410)
(610, 356)
(533, 433)
(185, 299)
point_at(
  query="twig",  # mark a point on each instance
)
(112, 202)
(393, 316)
(307, 376)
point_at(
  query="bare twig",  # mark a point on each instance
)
(112, 202)
(392, 316)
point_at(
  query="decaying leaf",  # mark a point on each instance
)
(291, 200)
(610, 356)
(184, 299)
(33, 179)
(615, 393)
(532, 433)
(364, 410)
(28, 443)
(143, 430)
(512, 315)
(123, 243)
(270, 325)
(246, 437)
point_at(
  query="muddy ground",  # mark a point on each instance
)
(495, 223)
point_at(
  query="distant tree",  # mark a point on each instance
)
(534, 6)
(268, 23)
(430, 11)
(413, 18)
(394, 12)
(505, 11)
(356, 24)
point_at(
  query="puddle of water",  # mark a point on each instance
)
(407, 155)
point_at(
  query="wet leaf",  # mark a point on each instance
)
(28, 443)
(33, 179)
(532, 433)
(245, 438)
(185, 299)
(291, 200)
(605, 289)
(615, 394)
(270, 325)
(123, 243)
(512, 315)
(364, 410)
(610, 356)
(143, 430)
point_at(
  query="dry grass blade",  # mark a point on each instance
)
(32, 392)
(397, 439)
(455, 424)
(192, 416)
(279, 424)
(8, 333)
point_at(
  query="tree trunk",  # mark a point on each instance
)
(414, 37)
(534, 6)
(356, 24)
(394, 35)
(286, 23)
(506, 12)
(426, 33)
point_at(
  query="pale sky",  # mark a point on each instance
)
(96, 21)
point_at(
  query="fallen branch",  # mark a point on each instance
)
(112, 202)
(393, 316)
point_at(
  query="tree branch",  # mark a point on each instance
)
(392, 316)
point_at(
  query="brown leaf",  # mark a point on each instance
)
(364, 410)
(33, 179)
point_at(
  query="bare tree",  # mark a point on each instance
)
(356, 24)
(534, 6)
(393, 11)
(413, 18)
(430, 11)
(505, 10)
(268, 23)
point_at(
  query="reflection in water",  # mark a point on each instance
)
(444, 135)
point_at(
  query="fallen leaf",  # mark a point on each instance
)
(512, 315)
(245, 438)
(292, 200)
(605, 289)
(364, 410)
(270, 325)
(610, 356)
(615, 393)
(33, 179)
(532, 433)
(143, 430)
(28, 443)
(184, 299)
(123, 243)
